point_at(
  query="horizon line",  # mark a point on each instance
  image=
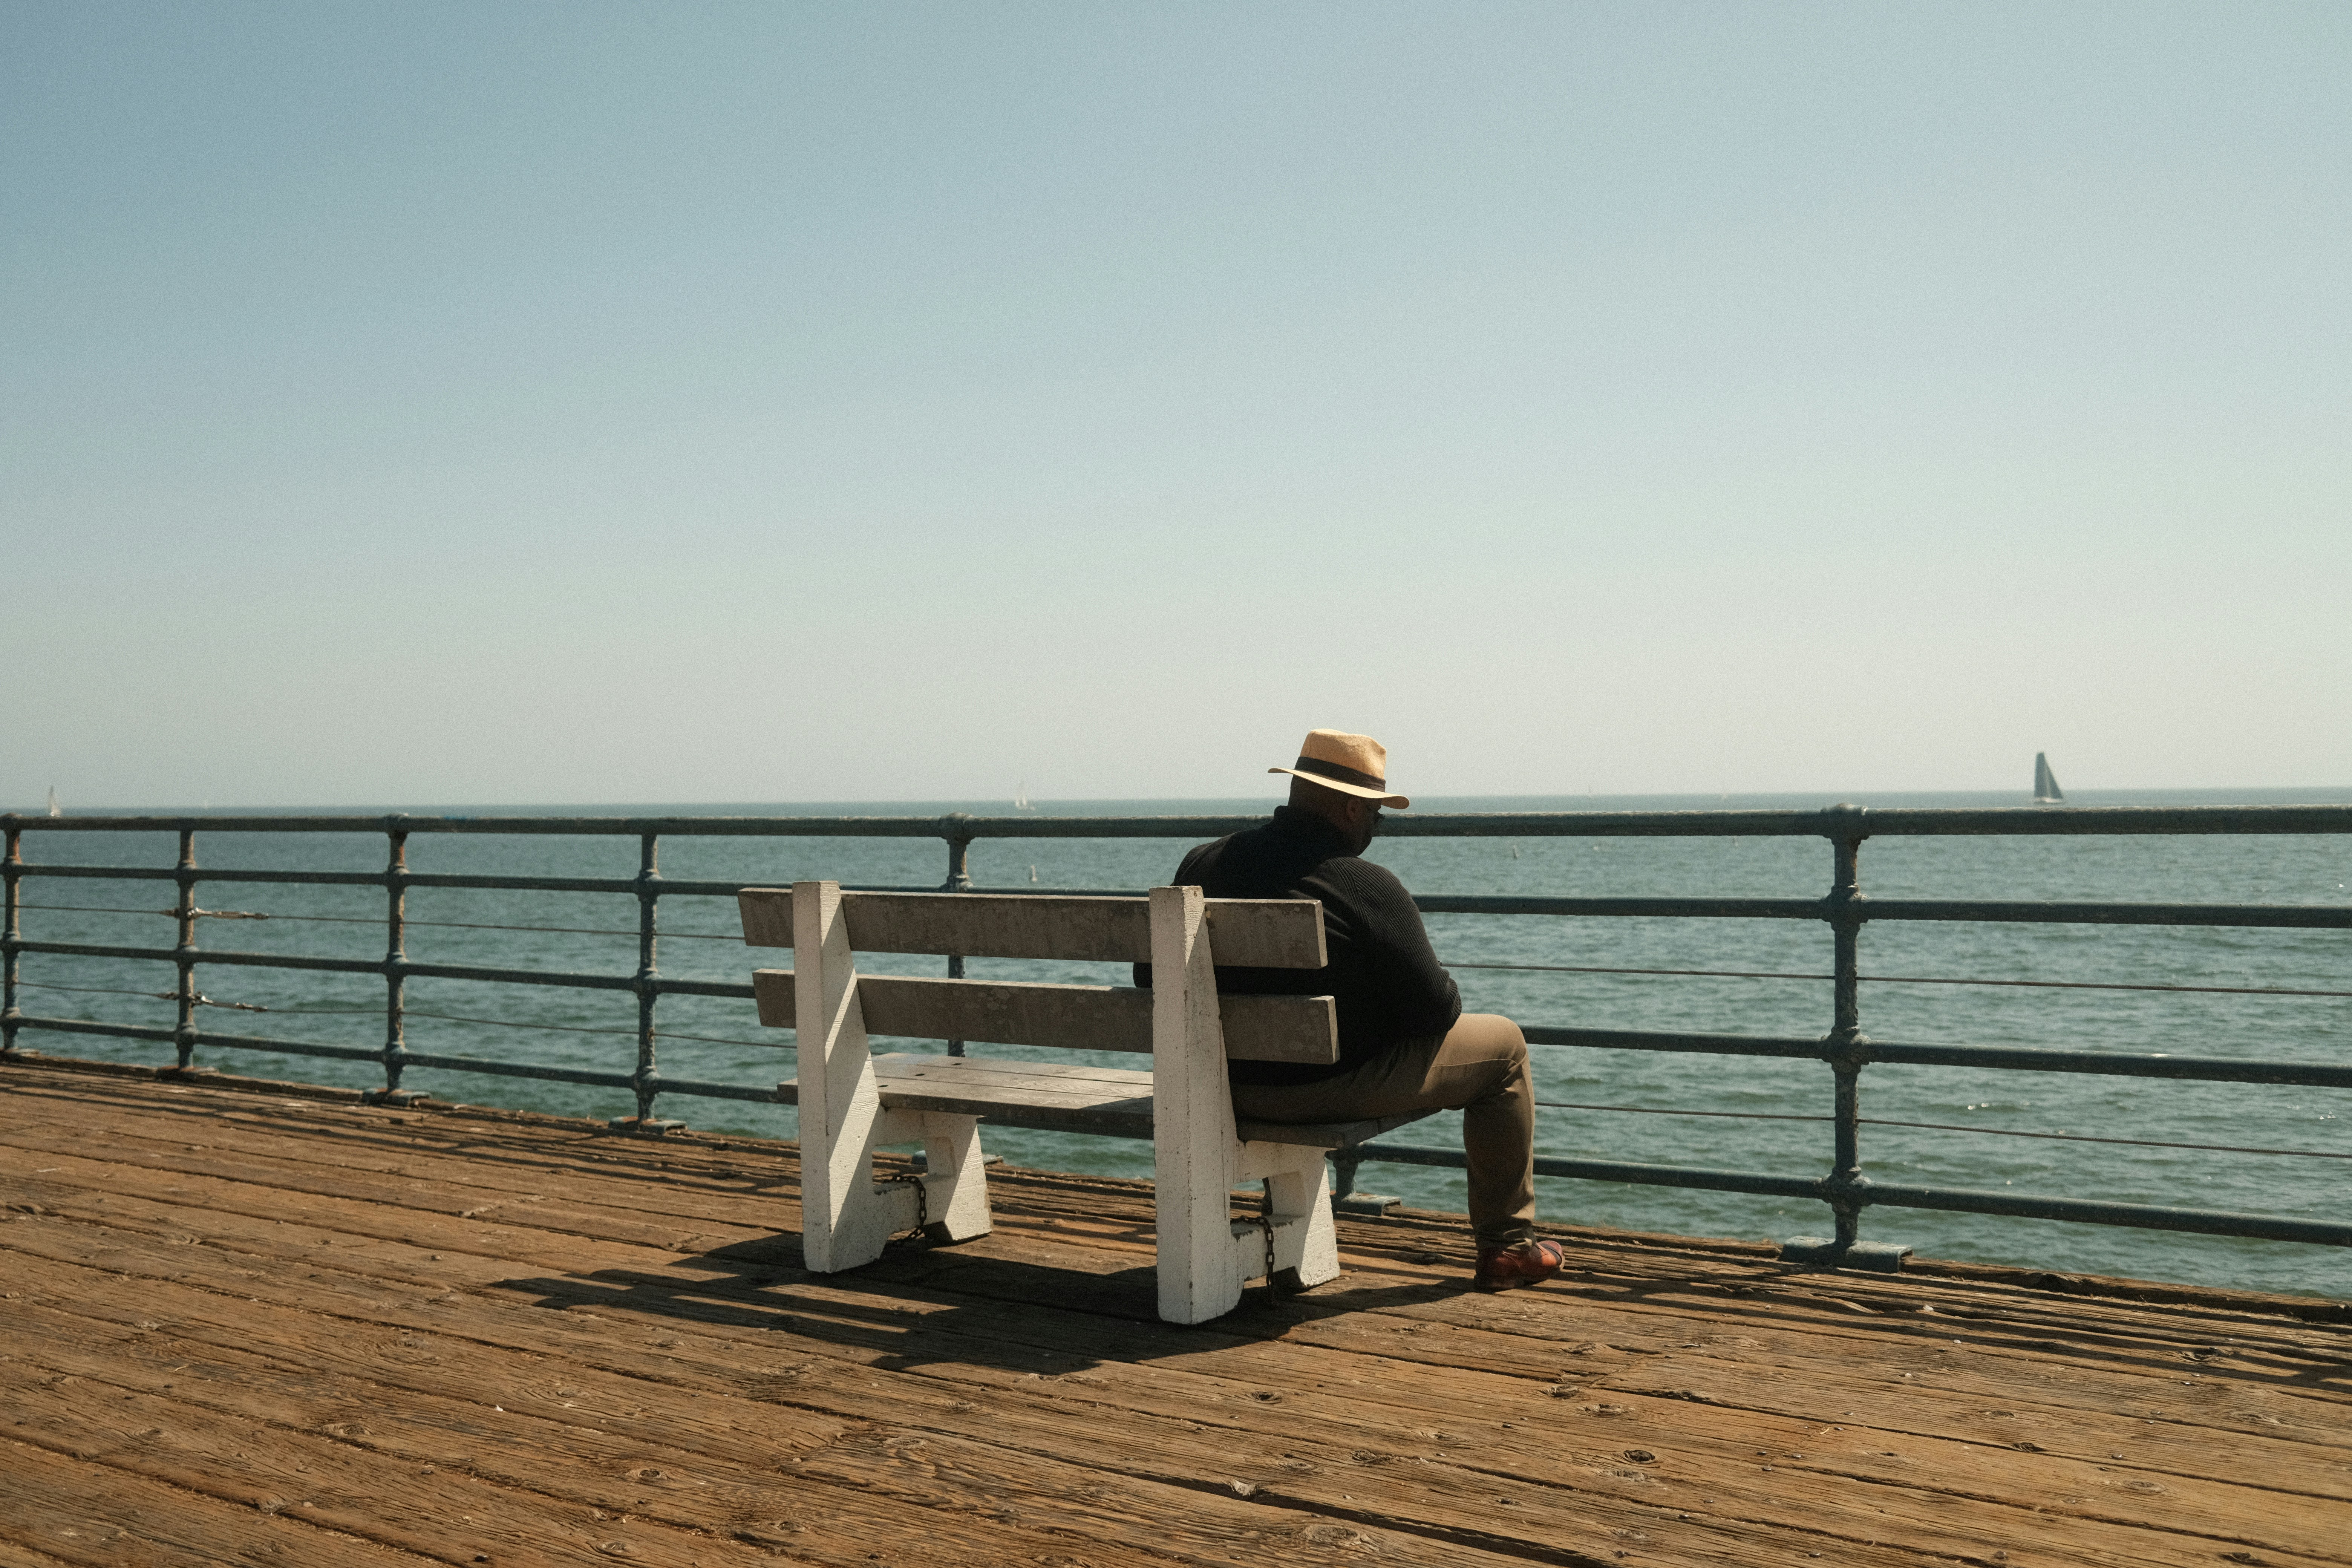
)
(1255, 802)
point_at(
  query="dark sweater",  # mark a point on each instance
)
(1387, 982)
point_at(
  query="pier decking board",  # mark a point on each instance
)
(216, 1298)
(84, 1514)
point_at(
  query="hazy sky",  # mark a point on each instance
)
(518, 403)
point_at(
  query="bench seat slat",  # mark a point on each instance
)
(978, 1086)
(1263, 933)
(1325, 1134)
(1049, 1095)
(1022, 1076)
(1066, 1018)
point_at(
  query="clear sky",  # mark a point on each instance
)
(598, 402)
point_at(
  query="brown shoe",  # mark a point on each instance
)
(1521, 1263)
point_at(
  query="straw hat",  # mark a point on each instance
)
(1352, 765)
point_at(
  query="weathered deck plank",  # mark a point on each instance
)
(77, 1511)
(452, 1333)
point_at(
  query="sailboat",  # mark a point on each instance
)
(1021, 796)
(55, 809)
(2045, 782)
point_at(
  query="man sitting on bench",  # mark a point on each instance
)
(1405, 1042)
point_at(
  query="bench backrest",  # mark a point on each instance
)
(1266, 933)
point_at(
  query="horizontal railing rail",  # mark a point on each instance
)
(1844, 908)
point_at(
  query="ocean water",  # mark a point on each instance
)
(721, 1040)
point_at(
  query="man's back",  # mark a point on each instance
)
(1386, 980)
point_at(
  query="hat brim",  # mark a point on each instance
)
(1400, 802)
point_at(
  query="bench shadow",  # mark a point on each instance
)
(925, 1308)
(921, 1306)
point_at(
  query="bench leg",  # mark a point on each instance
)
(861, 1216)
(1304, 1236)
(847, 1221)
(1204, 1257)
(1202, 1274)
(1299, 1184)
(957, 1184)
(1204, 1265)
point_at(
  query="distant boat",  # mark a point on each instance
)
(55, 809)
(2045, 782)
(1021, 796)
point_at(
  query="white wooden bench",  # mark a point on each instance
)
(852, 1101)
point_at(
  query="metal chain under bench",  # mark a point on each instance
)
(853, 1101)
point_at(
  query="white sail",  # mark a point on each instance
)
(54, 810)
(1020, 795)
(2045, 782)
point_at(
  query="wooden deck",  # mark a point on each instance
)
(253, 1328)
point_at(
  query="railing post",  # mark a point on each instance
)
(11, 869)
(646, 1080)
(1345, 1198)
(649, 921)
(1846, 1049)
(395, 970)
(1845, 1023)
(959, 882)
(183, 955)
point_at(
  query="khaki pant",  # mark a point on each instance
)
(1479, 1068)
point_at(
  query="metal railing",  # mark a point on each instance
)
(1843, 909)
